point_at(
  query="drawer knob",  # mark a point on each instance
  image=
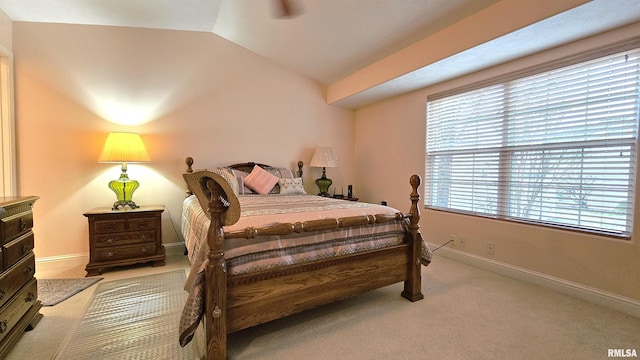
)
(144, 250)
(3, 326)
(22, 225)
(3, 292)
(30, 297)
(25, 248)
(111, 227)
(29, 271)
(142, 225)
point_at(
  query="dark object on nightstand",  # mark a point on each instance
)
(124, 237)
(19, 304)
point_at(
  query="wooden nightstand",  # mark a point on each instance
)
(124, 237)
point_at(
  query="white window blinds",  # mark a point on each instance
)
(556, 148)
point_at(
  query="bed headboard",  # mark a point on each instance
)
(246, 167)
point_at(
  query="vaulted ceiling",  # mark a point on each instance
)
(362, 50)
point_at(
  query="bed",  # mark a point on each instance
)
(263, 249)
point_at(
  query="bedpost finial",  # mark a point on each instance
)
(415, 181)
(189, 162)
(300, 164)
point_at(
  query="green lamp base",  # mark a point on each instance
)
(124, 188)
(323, 184)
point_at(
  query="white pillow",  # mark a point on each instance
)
(291, 186)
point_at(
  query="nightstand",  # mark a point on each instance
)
(124, 237)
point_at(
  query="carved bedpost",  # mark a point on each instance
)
(412, 287)
(216, 275)
(189, 162)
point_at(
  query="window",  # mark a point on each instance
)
(556, 147)
(7, 151)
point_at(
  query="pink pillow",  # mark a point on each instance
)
(260, 180)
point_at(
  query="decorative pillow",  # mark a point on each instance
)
(260, 180)
(281, 172)
(291, 186)
(239, 176)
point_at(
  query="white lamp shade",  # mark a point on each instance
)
(324, 157)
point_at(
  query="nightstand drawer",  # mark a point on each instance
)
(17, 249)
(119, 225)
(13, 226)
(20, 274)
(124, 238)
(148, 223)
(125, 252)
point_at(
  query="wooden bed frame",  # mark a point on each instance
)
(237, 302)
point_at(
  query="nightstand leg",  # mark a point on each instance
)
(92, 272)
(158, 263)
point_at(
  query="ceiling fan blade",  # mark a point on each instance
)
(287, 8)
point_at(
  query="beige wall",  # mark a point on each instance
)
(189, 94)
(399, 125)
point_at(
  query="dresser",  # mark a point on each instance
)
(19, 304)
(124, 237)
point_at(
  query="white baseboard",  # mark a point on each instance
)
(613, 301)
(170, 248)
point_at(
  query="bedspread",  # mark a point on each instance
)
(247, 255)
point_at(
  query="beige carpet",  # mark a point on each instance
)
(133, 318)
(467, 313)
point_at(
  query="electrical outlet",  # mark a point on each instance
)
(491, 247)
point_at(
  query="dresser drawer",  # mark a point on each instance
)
(124, 238)
(16, 276)
(125, 252)
(12, 311)
(13, 226)
(17, 248)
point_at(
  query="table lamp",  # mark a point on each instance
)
(324, 157)
(123, 147)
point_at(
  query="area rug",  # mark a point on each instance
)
(55, 291)
(135, 318)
